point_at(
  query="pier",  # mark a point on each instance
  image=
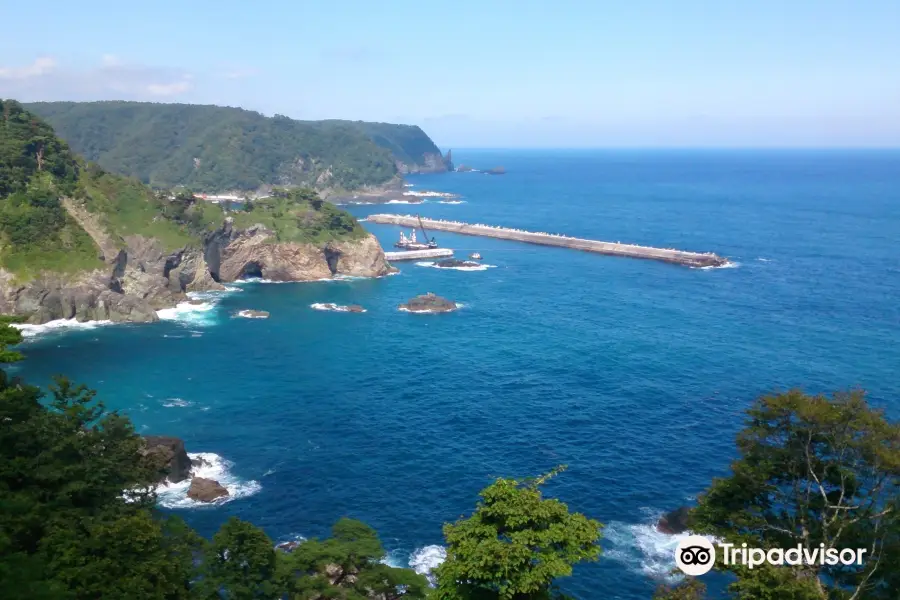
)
(669, 255)
(417, 254)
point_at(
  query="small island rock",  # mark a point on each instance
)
(674, 522)
(355, 308)
(455, 262)
(253, 314)
(429, 302)
(206, 490)
(463, 169)
(496, 171)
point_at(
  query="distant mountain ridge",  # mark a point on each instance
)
(216, 149)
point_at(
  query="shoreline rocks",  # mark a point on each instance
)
(173, 458)
(206, 490)
(429, 303)
(675, 521)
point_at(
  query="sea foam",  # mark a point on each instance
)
(28, 330)
(174, 495)
(481, 267)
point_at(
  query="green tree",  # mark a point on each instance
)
(348, 565)
(515, 545)
(240, 564)
(689, 589)
(819, 472)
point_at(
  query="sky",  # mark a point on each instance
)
(491, 73)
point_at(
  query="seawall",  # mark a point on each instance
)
(416, 254)
(669, 255)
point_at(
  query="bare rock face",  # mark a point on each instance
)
(171, 454)
(254, 252)
(206, 490)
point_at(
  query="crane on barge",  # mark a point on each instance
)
(411, 243)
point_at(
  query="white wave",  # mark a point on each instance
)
(430, 194)
(28, 330)
(430, 312)
(424, 560)
(402, 202)
(451, 201)
(248, 314)
(643, 548)
(362, 220)
(728, 265)
(764, 259)
(176, 402)
(189, 312)
(409, 185)
(174, 495)
(331, 306)
(481, 267)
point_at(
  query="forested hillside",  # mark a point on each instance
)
(212, 148)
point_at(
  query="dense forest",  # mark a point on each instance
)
(212, 148)
(39, 174)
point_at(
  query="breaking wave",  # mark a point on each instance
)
(28, 330)
(431, 194)
(728, 265)
(176, 402)
(433, 265)
(424, 560)
(174, 495)
(331, 307)
(642, 548)
(199, 313)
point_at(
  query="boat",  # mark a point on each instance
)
(411, 243)
(475, 256)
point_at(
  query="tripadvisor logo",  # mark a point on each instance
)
(696, 555)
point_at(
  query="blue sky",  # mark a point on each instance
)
(491, 73)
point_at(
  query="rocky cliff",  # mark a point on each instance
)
(139, 278)
(432, 162)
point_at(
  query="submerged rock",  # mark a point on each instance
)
(206, 490)
(355, 308)
(674, 522)
(429, 302)
(170, 452)
(253, 314)
(496, 171)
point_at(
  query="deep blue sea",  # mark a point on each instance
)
(633, 373)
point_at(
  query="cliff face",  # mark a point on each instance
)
(432, 162)
(141, 278)
(234, 254)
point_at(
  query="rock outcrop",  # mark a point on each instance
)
(429, 302)
(206, 490)
(253, 314)
(139, 277)
(169, 452)
(432, 162)
(234, 254)
(674, 522)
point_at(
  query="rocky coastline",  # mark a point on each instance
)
(138, 277)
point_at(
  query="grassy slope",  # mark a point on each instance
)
(127, 207)
(296, 217)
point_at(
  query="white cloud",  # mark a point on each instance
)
(41, 66)
(110, 79)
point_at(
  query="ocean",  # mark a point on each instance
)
(633, 373)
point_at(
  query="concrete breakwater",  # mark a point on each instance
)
(418, 254)
(669, 255)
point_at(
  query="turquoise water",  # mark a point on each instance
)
(633, 373)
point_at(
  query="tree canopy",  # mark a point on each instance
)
(515, 545)
(213, 148)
